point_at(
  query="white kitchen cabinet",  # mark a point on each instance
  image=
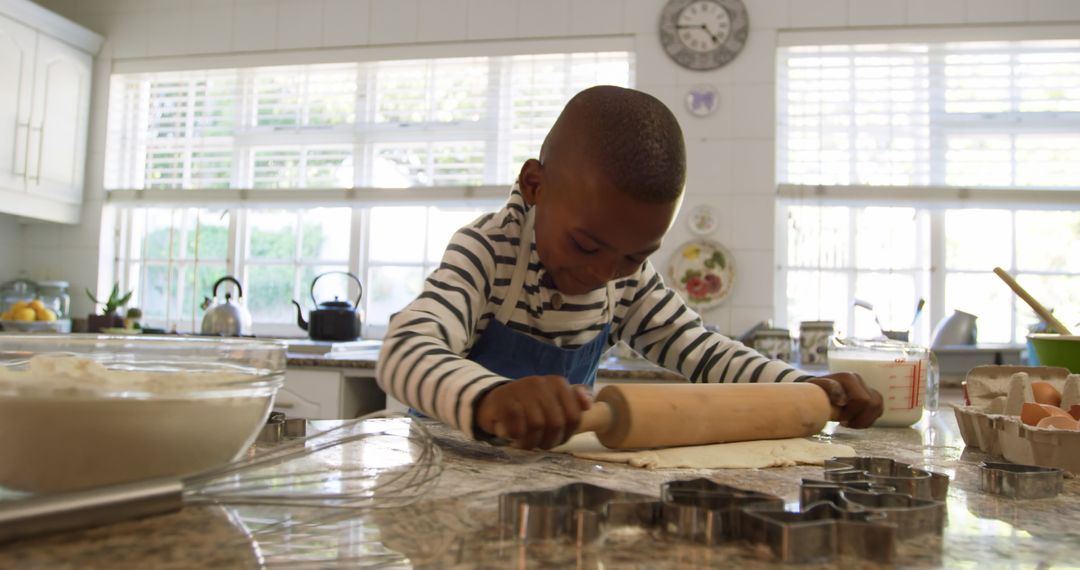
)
(46, 66)
(329, 393)
(16, 90)
(58, 121)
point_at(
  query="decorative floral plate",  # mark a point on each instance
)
(702, 272)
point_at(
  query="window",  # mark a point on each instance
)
(873, 143)
(292, 171)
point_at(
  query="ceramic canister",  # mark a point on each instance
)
(814, 341)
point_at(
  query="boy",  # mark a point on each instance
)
(527, 299)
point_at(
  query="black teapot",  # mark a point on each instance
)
(332, 320)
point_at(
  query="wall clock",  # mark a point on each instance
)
(703, 34)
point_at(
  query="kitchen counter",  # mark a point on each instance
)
(454, 523)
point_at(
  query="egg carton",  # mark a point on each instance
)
(991, 421)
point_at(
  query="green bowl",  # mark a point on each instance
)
(1058, 350)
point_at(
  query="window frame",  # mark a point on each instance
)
(361, 196)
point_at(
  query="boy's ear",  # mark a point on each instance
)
(530, 180)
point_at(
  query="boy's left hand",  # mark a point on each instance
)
(859, 405)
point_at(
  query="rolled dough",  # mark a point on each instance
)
(738, 455)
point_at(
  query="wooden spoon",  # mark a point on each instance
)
(1041, 310)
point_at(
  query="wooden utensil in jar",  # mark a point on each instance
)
(1035, 305)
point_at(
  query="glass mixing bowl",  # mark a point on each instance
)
(79, 411)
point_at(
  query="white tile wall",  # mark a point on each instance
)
(254, 26)
(818, 13)
(708, 163)
(877, 13)
(753, 107)
(922, 12)
(211, 29)
(490, 19)
(979, 11)
(730, 154)
(393, 21)
(443, 20)
(753, 167)
(757, 61)
(597, 17)
(752, 223)
(346, 22)
(543, 18)
(299, 24)
(769, 14)
(11, 247)
(1053, 10)
(168, 33)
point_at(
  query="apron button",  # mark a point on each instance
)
(556, 301)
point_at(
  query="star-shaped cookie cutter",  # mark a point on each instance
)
(579, 512)
(819, 532)
(707, 512)
(902, 477)
(912, 516)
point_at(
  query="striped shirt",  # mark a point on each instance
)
(423, 364)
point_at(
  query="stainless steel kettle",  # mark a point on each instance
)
(229, 318)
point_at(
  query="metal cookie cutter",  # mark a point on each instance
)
(706, 512)
(903, 478)
(278, 427)
(911, 516)
(820, 531)
(579, 512)
(1020, 481)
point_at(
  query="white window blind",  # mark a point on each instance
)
(921, 119)
(1001, 114)
(295, 130)
(435, 122)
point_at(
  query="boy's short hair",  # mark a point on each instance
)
(631, 136)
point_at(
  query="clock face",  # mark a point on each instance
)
(703, 34)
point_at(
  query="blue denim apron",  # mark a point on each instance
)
(514, 354)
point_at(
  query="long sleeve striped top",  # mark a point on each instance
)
(423, 364)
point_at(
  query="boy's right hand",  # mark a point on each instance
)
(535, 411)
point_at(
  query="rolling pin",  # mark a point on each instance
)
(641, 416)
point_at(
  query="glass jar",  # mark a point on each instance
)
(54, 295)
(905, 374)
(15, 291)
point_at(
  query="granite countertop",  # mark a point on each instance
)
(454, 523)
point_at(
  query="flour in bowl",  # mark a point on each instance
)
(69, 422)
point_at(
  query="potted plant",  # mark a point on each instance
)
(108, 317)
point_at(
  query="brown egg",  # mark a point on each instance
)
(1031, 414)
(1059, 422)
(1074, 411)
(1046, 393)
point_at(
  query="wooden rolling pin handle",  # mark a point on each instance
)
(598, 418)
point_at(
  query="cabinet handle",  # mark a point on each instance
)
(22, 129)
(40, 145)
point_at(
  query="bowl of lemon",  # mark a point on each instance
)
(32, 316)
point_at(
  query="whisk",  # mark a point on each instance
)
(373, 462)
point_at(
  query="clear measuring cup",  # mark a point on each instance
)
(905, 374)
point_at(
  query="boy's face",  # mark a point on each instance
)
(587, 231)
